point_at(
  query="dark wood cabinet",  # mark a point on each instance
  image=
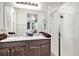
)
(39, 48)
(15, 48)
(18, 51)
(44, 50)
(14, 51)
(34, 48)
(26, 48)
(4, 51)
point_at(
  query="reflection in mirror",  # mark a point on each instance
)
(10, 19)
(28, 25)
(20, 21)
(31, 21)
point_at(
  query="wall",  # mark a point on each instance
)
(70, 35)
(1, 16)
(76, 28)
(21, 19)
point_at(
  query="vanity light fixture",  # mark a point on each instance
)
(28, 3)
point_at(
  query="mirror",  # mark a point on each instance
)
(20, 20)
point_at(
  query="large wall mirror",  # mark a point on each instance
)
(20, 20)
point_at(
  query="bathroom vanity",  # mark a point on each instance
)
(25, 46)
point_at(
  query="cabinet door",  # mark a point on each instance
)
(45, 48)
(39, 48)
(19, 51)
(34, 48)
(4, 52)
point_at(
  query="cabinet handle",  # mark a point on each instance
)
(12, 50)
(43, 46)
(8, 51)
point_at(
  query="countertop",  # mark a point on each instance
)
(22, 38)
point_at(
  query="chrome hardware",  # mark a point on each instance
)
(8, 51)
(12, 50)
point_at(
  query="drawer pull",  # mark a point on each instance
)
(34, 47)
(43, 46)
(12, 50)
(8, 51)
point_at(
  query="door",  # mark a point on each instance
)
(53, 30)
(4, 51)
(55, 26)
(19, 51)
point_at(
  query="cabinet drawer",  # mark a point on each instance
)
(4, 51)
(11, 44)
(42, 41)
(19, 51)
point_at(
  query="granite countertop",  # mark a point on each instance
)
(21, 38)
